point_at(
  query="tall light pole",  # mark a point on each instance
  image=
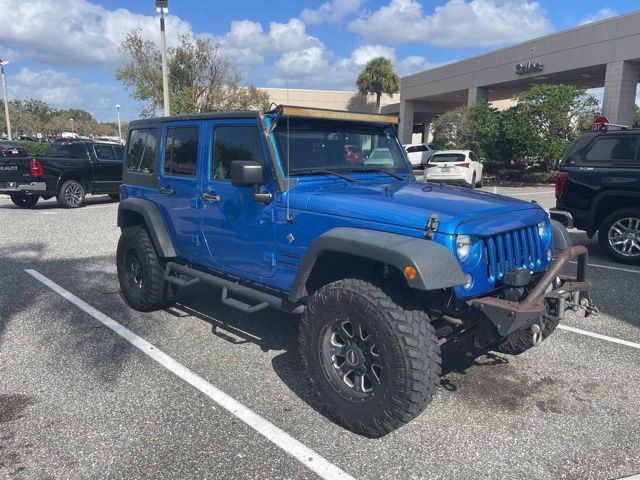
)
(6, 98)
(73, 130)
(119, 126)
(162, 7)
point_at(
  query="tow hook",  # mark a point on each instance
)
(589, 308)
(536, 334)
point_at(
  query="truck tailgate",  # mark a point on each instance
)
(14, 169)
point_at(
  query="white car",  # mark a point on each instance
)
(419, 154)
(454, 166)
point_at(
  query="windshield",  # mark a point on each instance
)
(448, 157)
(310, 145)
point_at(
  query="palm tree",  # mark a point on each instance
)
(378, 77)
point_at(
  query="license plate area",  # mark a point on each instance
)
(445, 169)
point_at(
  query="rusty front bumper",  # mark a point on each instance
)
(510, 316)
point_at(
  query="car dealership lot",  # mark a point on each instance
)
(79, 401)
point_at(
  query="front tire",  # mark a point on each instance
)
(140, 272)
(619, 236)
(22, 200)
(522, 340)
(71, 194)
(373, 366)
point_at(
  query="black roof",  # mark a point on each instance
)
(196, 116)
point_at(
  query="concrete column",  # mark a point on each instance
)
(406, 121)
(620, 83)
(425, 130)
(477, 94)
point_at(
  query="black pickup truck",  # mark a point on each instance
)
(598, 190)
(68, 171)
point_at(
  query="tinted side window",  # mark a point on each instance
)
(231, 143)
(473, 157)
(412, 149)
(119, 152)
(77, 150)
(421, 148)
(104, 152)
(141, 153)
(181, 150)
(611, 149)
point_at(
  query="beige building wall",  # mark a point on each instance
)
(329, 99)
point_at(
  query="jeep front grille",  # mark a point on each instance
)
(519, 248)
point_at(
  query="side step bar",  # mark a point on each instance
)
(262, 299)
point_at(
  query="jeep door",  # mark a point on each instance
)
(239, 232)
(178, 185)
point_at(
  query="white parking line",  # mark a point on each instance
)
(514, 194)
(601, 337)
(281, 439)
(610, 268)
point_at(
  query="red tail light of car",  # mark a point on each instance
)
(36, 168)
(562, 179)
(465, 165)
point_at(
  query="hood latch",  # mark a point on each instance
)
(432, 225)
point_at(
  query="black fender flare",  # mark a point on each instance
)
(592, 223)
(561, 238)
(436, 267)
(153, 220)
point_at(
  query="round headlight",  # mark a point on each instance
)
(542, 227)
(463, 246)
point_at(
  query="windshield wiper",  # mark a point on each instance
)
(376, 170)
(324, 172)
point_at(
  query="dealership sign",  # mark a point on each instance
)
(529, 67)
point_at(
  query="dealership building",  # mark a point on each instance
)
(601, 54)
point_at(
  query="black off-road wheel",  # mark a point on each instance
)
(141, 273)
(71, 194)
(22, 200)
(522, 340)
(619, 236)
(373, 366)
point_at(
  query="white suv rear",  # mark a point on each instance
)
(455, 166)
(419, 154)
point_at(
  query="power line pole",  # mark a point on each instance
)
(6, 98)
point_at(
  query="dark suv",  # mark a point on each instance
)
(598, 190)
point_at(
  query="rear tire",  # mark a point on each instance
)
(140, 272)
(373, 366)
(71, 194)
(22, 200)
(620, 226)
(473, 180)
(480, 184)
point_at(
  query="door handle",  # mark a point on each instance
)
(210, 198)
(166, 190)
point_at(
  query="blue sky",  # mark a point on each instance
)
(65, 52)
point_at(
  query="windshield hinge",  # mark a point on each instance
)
(432, 225)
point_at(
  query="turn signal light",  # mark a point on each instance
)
(410, 272)
(36, 168)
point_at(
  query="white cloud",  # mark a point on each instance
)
(79, 32)
(601, 14)
(458, 23)
(302, 62)
(247, 42)
(361, 55)
(333, 11)
(56, 88)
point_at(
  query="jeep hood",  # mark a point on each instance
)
(410, 204)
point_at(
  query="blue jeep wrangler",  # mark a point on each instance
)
(275, 210)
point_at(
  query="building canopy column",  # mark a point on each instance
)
(620, 85)
(477, 94)
(406, 120)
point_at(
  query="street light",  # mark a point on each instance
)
(119, 127)
(6, 98)
(162, 7)
(72, 129)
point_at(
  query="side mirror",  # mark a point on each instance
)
(247, 173)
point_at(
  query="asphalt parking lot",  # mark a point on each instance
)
(78, 400)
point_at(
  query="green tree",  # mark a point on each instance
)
(201, 79)
(378, 77)
(636, 118)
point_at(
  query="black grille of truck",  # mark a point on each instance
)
(505, 251)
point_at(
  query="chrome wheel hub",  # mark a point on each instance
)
(624, 236)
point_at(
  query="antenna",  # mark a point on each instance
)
(289, 217)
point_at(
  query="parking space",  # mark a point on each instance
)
(78, 400)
